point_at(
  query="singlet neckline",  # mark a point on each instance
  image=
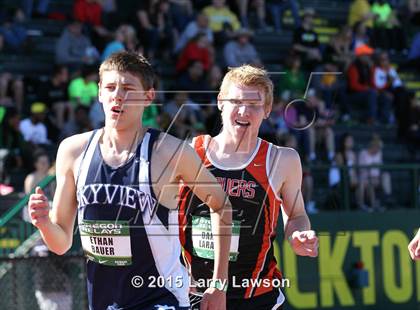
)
(223, 167)
(127, 161)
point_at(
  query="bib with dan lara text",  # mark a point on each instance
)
(202, 238)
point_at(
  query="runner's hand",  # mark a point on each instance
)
(304, 243)
(414, 247)
(213, 299)
(38, 208)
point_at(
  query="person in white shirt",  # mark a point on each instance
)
(32, 128)
(370, 179)
(389, 86)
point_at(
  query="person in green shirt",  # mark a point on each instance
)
(293, 80)
(387, 32)
(84, 89)
(150, 116)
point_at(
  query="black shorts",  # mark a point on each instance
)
(268, 301)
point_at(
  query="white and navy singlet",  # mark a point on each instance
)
(130, 240)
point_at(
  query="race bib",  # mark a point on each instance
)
(202, 238)
(106, 242)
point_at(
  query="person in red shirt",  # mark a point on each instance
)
(198, 49)
(360, 83)
(89, 12)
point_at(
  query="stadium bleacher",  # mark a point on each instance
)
(273, 47)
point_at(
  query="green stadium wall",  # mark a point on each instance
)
(378, 240)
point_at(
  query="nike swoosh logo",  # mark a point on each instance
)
(102, 261)
(257, 165)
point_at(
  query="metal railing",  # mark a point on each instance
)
(405, 197)
(14, 231)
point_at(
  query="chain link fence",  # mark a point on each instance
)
(44, 283)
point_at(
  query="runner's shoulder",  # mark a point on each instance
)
(167, 147)
(72, 147)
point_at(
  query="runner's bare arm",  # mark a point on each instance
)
(57, 228)
(288, 164)
(206, 187)
(180, 161)
(287, 168)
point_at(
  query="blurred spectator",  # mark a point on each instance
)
(33, 128)
(361, 87)
(414, 11)
(278, 7)
(11, 90)
(116, 45)
(183, 114)
(151, 116)
(274, 129)
(360, 11)
(73, 48)
(414, 123)
(41, 9)
(293, 80)
(109, 16)
(213, 120)
(372, 179)
(13, 31)
(287, 118)
(329, 85)
(414, 53)
(53, 93)
(199, 49)
(215, 77)
(199, 25)
(241, 51)
(338, 50)
(14, 151)
(268, 131)
(345, 157)
(194, 81)
(259, 6)
(97, 115)
(89, 12)
(223, 22)
(83, 90)
(42, 166)
(305, 41)
(125, 38)
(319, 121)
(360, 35)
(131, 42)
(181, 13)
(283, 119)
(387, 81)
(79, 124)
(387, 31)
(156, 27)
(307, 179)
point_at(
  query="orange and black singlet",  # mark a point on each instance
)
(252, 265)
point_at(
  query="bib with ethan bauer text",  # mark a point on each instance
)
(106, 242)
